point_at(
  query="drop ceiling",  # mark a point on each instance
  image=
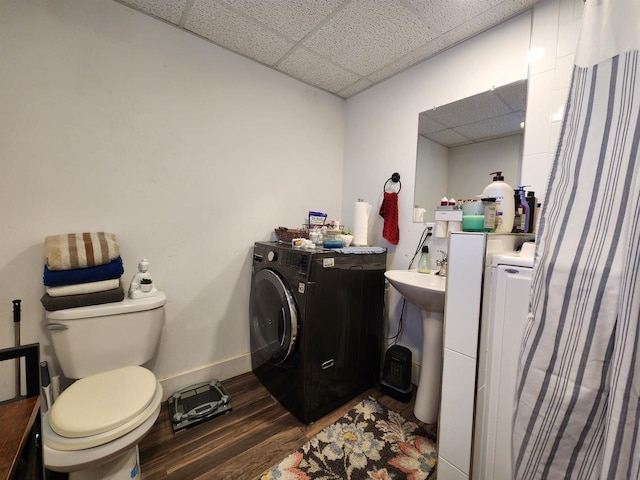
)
(493, 114)
(340, 46)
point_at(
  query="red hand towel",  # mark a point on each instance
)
(389, 211)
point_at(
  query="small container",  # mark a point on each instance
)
(480, 216)
(424, 264)
(332, 239)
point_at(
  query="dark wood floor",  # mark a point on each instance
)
(242, 444)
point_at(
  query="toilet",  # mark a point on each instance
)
(93, 429)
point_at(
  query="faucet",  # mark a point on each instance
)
(442, 264)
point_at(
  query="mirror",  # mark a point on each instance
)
(461, 143)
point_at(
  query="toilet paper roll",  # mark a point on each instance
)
(441, 229)
(361, 211)
(454, 226)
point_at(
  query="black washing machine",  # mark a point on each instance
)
(316, 325)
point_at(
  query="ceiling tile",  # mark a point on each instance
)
(169, 10)
(355, 87)
(292, 18)
(426, 124)
(412, 58)
(235, 32)
(448, 137)
(365, 36)
(447, 15)
(490, 18)
(514, 95)
(475, 108)
(493, 127)
(310, 68)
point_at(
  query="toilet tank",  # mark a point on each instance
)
(98, 338)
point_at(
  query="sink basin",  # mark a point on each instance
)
(427, 292)
(424, 290)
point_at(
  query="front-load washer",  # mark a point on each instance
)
(316, 324)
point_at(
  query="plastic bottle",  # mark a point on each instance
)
(505, 204)
(532, 202)
(523, 212)
(424, 264)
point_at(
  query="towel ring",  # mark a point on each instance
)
(395, 178)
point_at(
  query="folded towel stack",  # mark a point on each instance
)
(81, 269)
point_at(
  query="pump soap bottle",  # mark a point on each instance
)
(424, 264)
(505, 202)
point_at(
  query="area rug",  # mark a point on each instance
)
(368, 442)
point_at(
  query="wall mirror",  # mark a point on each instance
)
(460, 143)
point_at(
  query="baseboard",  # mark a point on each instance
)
(216, 371)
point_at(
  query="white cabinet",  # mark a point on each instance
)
(510, 306)
(466, 392)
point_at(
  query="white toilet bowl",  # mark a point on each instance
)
(92, 431)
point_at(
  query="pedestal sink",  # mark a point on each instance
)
(426, 291)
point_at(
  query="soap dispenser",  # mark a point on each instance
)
(505, 204)
(424, 264)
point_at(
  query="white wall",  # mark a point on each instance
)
(382, 121)
(381, 129)
(556, 27)
(470, 165)
(111, 120)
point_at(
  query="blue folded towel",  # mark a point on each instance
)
(361, 250)
(109, 271)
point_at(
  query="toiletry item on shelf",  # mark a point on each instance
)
(532, 202)
(505, 204)
(521, 218)
(424, 264)
(479, 215)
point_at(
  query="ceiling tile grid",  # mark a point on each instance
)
(367, 35)
(169, 10)
(291, 18)
(315, 70)
(233, 31)
(341, 46)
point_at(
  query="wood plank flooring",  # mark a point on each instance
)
(256, 434)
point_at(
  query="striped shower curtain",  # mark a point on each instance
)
(577, 407)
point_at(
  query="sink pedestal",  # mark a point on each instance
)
(428, 394)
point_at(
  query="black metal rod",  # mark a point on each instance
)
(16, 331)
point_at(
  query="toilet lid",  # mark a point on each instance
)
(102, 402)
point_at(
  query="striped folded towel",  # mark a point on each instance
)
(80, 250)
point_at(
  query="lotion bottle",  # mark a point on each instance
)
(505, 202)
(424, 264)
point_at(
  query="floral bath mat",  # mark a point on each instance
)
(368, 442)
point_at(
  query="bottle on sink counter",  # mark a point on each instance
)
(424, 264)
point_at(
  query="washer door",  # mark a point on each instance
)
(274, 317)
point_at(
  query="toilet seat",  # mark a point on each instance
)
(72, 461)
(98, 409)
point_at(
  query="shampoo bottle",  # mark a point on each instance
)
(505, 204)
(424, 264)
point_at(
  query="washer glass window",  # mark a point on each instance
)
(274, 317)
